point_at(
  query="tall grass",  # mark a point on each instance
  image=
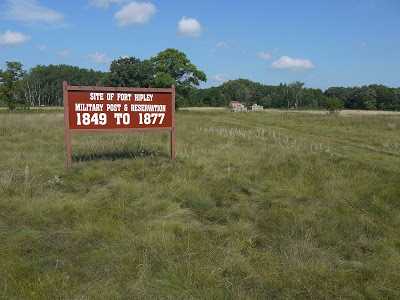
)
(257, 206)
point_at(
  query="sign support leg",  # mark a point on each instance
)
(68, 149)
(173, 136)
(67, 132)
(173, 144)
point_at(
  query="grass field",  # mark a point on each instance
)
(257, 206)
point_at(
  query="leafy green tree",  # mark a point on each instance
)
(163, 80)
(385, 96)
(243, 90)
(130, 71)
(396, 101)
(339, 92)
(312, 98)
(368, 97)
(42, 85)
(266, 101)
(207, 97)
(176, 64)
(334, 104)
(10, 83)
(296, 90)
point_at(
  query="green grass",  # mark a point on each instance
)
(257, 206)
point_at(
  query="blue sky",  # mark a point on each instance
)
(322, 43)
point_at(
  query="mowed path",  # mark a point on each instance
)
(373, 137)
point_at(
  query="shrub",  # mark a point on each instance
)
(334, 104)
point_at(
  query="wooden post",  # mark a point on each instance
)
(67, 131)
(173, 133)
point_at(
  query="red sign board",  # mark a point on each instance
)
(110, 109)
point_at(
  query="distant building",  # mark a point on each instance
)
(237, 106)
(256, 107)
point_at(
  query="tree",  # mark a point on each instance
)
(174, 64)
(296, 88)
(163, 80)
(178, 66)
(10, 83)
(42, 85)
(130, 71)
(385, 96)
(334, 104)
(242, 90)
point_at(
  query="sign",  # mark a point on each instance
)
(117, 109)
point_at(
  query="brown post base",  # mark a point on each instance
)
(173, 144)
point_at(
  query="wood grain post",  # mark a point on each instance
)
(173, 131)
(67, 131)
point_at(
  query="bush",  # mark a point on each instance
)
(334, 104)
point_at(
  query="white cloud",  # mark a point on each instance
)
(64, 53)
(103, 3)
(135, 13)
(286, 62)
(222, 44)
(99, 58)
(264, 55)
(189, 27)
(13, 38)
(30, 11)
(220, 78)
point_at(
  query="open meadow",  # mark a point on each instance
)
(257, 206)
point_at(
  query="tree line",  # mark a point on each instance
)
(296, 96)
(42, 86)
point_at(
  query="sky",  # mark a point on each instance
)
(322, 43)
